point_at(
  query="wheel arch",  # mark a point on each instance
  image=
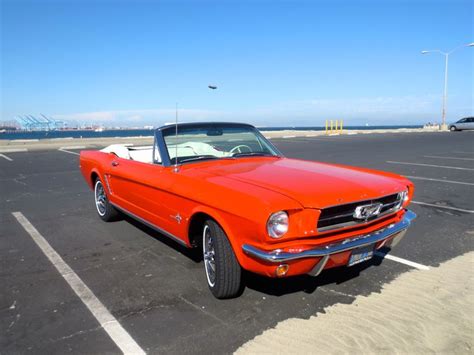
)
(196, 223)
(93, 176)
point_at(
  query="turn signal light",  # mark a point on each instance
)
(281, 270)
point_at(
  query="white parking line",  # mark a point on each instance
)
(108, 322)
(430, 165)
(68, 151)
(288, 137)
(7, 158)
(441, 157)
(74, 147)
(299, 140)
(13, 150)
(442, 207)
(402, 261)
(440, 180)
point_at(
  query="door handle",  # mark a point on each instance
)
(115, 163)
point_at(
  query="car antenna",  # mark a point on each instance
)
(176, 143)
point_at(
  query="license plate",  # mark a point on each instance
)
(361, 254)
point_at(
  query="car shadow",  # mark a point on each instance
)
(267, 285)
(306, 283)
(190, 253)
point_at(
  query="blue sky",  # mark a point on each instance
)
(275, 62)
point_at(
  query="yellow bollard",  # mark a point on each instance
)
(335, 128)
(326, 129)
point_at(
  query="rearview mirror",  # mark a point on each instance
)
(214, 132)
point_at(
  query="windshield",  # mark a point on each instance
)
(214, 141)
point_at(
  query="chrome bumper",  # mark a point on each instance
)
(278, 256)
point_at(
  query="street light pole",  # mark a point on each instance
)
(445, 96)
(446, 60)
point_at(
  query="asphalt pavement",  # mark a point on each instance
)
(157, 290)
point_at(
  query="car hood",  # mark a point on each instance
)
(312, 184)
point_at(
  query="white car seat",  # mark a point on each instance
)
(118, 149)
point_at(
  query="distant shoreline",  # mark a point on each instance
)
(23, 145)
(117, 133)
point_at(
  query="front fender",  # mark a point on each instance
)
(239, 230)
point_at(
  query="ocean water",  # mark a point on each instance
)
(147, 132)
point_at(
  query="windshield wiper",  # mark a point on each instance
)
(252, 154)
(199, 157)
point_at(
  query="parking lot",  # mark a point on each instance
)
(156, 290)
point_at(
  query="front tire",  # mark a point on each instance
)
(453, 128)
(223, 272)
(105, 210)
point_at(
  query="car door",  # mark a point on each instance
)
(470, 123)
(143, 190)
(461, 124)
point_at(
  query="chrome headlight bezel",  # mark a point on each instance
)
(403, 198)
(278, 224)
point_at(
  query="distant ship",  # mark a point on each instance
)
(4, 129)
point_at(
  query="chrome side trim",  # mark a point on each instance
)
(151, 225)
(106, 177)
(277, 256)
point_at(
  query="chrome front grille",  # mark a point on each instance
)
(343, 215)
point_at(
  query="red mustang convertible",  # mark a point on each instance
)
(225, 189)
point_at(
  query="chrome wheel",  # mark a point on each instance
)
(209, 255)
(100, 198)
(223, 271)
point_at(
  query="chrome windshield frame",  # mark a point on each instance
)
(161, 146)
(160, 133)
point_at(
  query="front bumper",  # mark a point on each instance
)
(395, 231)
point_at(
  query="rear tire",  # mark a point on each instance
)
(223, 272)
(104, 208)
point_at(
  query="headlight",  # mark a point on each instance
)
(403, 198)
(277, 224)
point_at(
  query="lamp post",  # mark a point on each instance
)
(446, 57)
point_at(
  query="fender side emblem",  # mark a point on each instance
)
(178, 218)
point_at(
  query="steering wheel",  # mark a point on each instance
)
(238, 149)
